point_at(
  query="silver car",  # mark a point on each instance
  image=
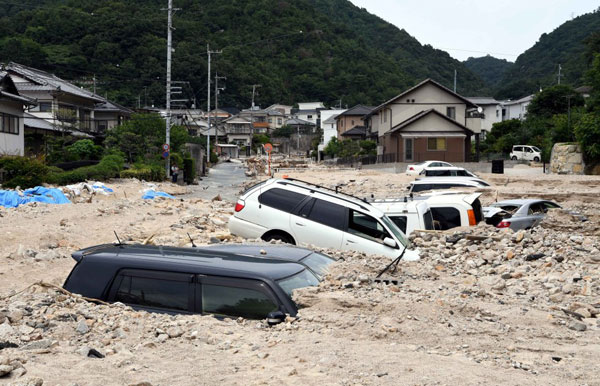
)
(518, 214)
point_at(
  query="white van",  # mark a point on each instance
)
(298, 212)
(526, 152)
(408, 215)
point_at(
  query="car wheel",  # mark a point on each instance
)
(278, 237)
(514, 158)
(536, 159)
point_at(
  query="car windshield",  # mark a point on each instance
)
(305, 278)
(394, 229)
(318, 263)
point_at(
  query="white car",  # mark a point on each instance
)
(446, 172)
(437, 183)
(526, 153)
(415, 169)
(298, 212)
(407, 215)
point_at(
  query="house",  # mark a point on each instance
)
(108, 115)
(425, 122)
(328, 126)
(66, 107)
(229, 150)
(491, 112)
(298, 123)
(238, 130)
(516, 109)
(12, 104)
(308, 111)
(350, 119)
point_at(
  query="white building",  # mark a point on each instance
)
(516, 109)
(329, 126)
(491, 112)
(12, 138)
(309, 111)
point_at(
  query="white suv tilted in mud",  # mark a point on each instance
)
(298, 212)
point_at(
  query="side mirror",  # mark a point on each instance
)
(275, 317)
(390, 242)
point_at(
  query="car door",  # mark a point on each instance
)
(528, 153)
(365, 234)
(319, 222)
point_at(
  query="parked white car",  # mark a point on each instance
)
(298, 212)
(451, 171)
(408, 215)
(437, 183)
(526, 153)
(415, 169)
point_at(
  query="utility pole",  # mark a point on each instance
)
(169, 52)
(254, 87)
(559, 74)
(217, 88)
(94, 79)
(209, 52)
(454, 80)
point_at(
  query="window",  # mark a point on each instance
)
(384, 116)
(436, 144)
(309, 116)
(9, 124)
(528, 150)
(412, 101)
(155, 290)
(400, 222)
(305, 209)
(102, 125)
(270, 120)
(451, 112)
(517, 148)
(438, 173)
(408, 101)
(497, 113)
(299, 280)
(428, 220)
(66, 113)
(328, 213)
(236, 301)
(279, 121)
(352, 122)
(45, 107)
(281, 199)
(366, 226)
(446, 218)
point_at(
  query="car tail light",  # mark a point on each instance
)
(411, 168)
(472, 220)
(239, 205)
(503, 224)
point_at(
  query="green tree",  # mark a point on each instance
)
(554, 100)
(333, 147)
(587, 131)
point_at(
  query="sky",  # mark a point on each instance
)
(464, 28)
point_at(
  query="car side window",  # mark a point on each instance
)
(537, 208)
(462, 173)
(328, 213)
(446, 217)
(229, 300)
(420, 187)
(528, 150)
(304, 211)
(400, 221)
(550, 205)
(363, 225)
(169, 291)
(281, 199)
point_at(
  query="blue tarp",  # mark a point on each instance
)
(150, 194)
(99, 185)
(12, 199)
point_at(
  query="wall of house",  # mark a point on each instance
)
(305, 116)
(347, 122)
(239, 138)
(425, 98)
(12, 144)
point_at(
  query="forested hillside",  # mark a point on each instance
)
(491, 70)
(342, 52)
(538, 66)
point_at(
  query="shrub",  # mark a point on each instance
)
(109, 167)
(84, 149)
(189, 171)
(145, 172)
(22, 171)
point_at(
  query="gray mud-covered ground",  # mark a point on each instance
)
(507, 308)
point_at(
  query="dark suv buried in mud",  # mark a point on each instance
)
(197, 280)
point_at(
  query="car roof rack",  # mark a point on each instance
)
(336, 190)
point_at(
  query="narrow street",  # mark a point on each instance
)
(224, 178)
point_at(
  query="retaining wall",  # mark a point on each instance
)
(566, 158)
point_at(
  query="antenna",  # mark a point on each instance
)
(192, 240)
(117, 236)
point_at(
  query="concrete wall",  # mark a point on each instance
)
(566, 158)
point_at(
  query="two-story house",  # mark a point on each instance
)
(350, 123)
(516, 109)
(489, 112)
(238, 130)
(12, 139)
(308, 111)
(426, 122)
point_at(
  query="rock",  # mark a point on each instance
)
(40, 345)
(214, 240)
(518, 237)
(162, 338)
(584, 312)
(5, 370)
(217, 198)
(82, 327)
(262, 355)
(510, 254)
(506, 276)
(141, 384)
(174, 332)
(556, 298)
(6, 331)
(15, 316)
(577, 326)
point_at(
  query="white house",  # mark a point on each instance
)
(329, 126)
(516, 109)
(309, 111)
(12, 138)
(491, 112)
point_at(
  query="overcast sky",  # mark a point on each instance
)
(501, 28)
